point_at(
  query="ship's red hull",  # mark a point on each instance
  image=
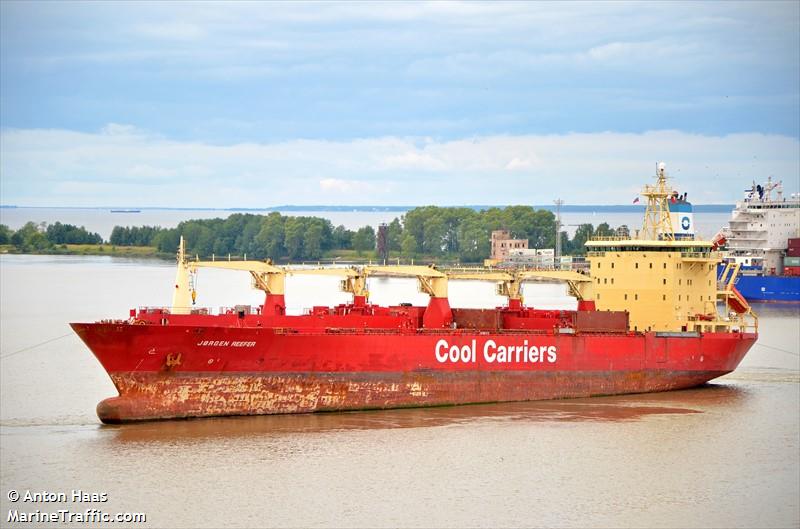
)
(195, 370)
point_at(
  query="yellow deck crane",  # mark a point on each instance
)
(507, 284)
(579, 285)
(271, 279)
(510, 282)
(354, 280)
(431, 281)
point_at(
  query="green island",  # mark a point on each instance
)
(429, 233)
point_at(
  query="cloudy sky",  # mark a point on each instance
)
(261, 104)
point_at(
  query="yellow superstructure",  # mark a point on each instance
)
(667, 284)
(662, 284)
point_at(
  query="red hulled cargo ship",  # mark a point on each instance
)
(655, 326)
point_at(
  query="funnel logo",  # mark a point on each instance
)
(685, 223)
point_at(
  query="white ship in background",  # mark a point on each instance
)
(762, 236)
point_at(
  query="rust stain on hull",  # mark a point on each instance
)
(152, 396)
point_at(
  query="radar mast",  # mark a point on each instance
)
(657, 222)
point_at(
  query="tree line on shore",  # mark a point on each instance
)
(444, 233)
(33, 237)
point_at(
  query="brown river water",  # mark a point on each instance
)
(723, 455)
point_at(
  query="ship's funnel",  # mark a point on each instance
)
(682, 219)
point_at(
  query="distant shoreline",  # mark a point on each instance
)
(149, 252)
(566, 208)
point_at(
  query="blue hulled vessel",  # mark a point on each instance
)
(763, 237)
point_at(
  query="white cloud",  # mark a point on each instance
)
(414, 160)
(518, 164)
(147, 171)
(171, 30)
(451, 36)
(121, 164)
(650, 50)
(338, 185)
(116, 129)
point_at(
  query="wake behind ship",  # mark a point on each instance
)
(647, 320)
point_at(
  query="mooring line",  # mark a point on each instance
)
(3, 357)
(777, 349)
